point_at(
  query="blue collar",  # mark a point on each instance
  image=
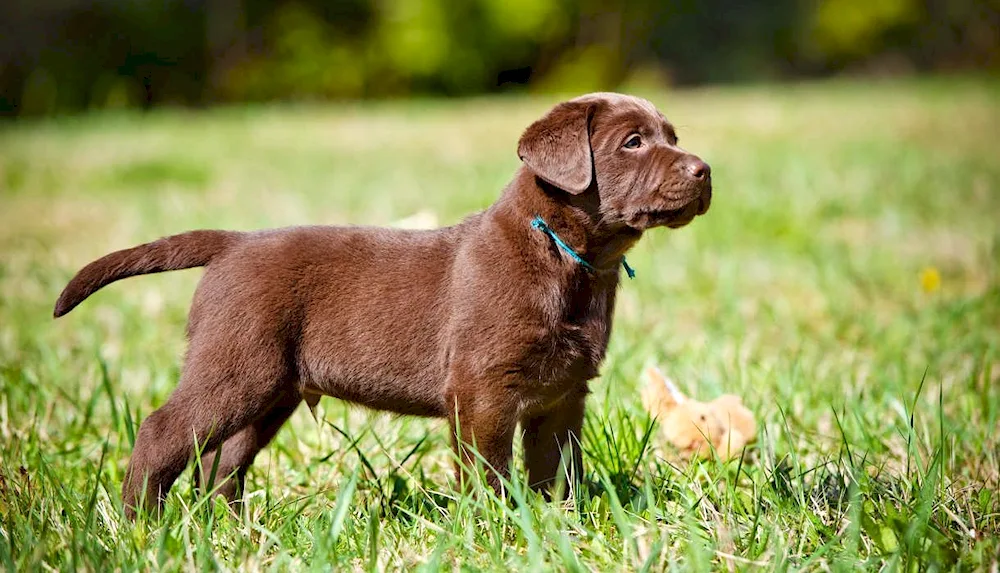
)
(539, 224)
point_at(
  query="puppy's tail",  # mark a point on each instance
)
(184, 251)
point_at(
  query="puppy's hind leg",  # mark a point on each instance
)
(222, 391)
(236, 455)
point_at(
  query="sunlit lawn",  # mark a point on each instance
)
(845, 283)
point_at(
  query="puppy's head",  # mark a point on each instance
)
(623, 150)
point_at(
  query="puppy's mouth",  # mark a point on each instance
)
(675, 218)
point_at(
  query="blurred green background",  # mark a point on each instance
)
(61, 56)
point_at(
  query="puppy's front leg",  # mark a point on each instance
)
(553, 437)
(483, 415)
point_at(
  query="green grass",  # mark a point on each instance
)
(801, 290)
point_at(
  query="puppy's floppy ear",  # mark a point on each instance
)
(557, 147)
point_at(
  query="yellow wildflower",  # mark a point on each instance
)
(930, 279)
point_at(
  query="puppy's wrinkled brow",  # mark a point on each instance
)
(671, 133)
(625, 122)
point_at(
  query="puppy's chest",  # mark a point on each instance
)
(576, 338)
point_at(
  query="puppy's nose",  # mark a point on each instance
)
(698, 169)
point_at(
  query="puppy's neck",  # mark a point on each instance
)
(575, 218)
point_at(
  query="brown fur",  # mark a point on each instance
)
(487, 322)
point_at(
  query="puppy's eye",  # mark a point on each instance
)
(633, 142)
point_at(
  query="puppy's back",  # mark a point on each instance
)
(360, 311)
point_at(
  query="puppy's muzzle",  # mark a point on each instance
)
(705, 199)
(698, 177)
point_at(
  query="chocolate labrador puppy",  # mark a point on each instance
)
(499, 320)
